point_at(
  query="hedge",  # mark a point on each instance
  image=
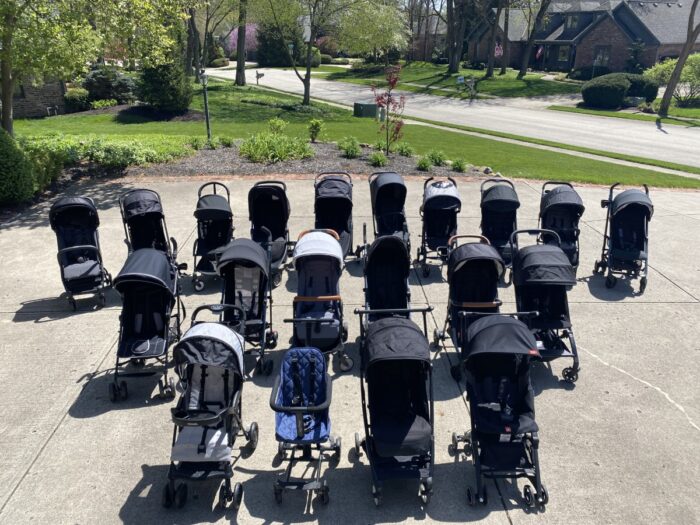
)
(76, 99)
(605, 92)
(640, 86)
(16, 180)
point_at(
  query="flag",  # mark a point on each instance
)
(540, 50)
(499, 50)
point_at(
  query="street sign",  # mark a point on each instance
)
(460, 80)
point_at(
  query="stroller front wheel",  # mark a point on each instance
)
(278, 493)
(181, 496)
(610, 281)
(253, 436)
(346, 362)
(237, 495)
(358, 446)
(324, 492)
(168, 496)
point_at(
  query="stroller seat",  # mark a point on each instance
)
(402, 435)
(135, 347)
(82, 270)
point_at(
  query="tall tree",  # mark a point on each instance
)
(374, 27)
(506, 42)
(240, 42)
(492, 39)
(533, 29)
(692, 35)
(456, 21)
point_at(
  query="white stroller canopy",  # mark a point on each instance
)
(220, 333)
(318, 243)
(441, 188)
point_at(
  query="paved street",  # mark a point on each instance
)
(622, 446)
(522, 117)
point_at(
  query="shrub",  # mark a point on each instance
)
(328, 46)
(587, 72)
(315, 128)
(101, 104)
(605, 92)
(277, 125)
(219, 62)
(76, 99)
(640, 86)
(340, 61)
(405, 149)
(350, 147)
(107, 82)
(272, 48)
(378, 159)
(379, 145)
(424, 164)
(646, 107)
(459, 165)
(198, 143)
(166, 88)
(226, 142)
(437, 157)
(315, 57)
(16, 180)
(326, 59)
(275, 147)
(687, 92)
(118, 155)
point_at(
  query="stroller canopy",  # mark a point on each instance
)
(243, 251)
(542, 264)
(388, 192)
(141, 202)
(441, 195)
(318, 243)
(500, 334)
(334, 187)
(147, 266)
(633, 197)
(268, 203)
(500, 197)
(213, 208)
(211, 344)
(470, 252)
(83, 205)
(389, 248)
(394, 338)
(562, 197)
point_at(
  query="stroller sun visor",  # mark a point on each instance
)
(542, 264)
(318, 243)
(395, 338)
(562, 196)
(70, 203)
(473, 252)
(264, 196)
(500, 334)
(441, 195)
(395, 246)
(147, 266)
(500, 197)
(141, 202)
(243, 250)
(213, 208)
(334, 187)
(632, 197)
(210, 344)
(388, 185)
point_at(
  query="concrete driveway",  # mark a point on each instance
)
(523, 117)
(622, 446)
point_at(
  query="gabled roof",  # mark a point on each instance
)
(666, 22)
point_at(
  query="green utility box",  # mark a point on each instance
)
(365, 110)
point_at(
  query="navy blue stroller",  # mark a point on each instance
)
(560, 210)
(301, 398)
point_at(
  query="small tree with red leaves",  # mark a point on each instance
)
(392, 105)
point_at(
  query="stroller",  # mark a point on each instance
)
(473, 272)
(499, 205)
(397, 406)
(318, 306)
(149, 289)
(144, 222)
(333, 206)
(560, 210)
(301, 398)
(441, 204)
(209, 363)
(626, 237)
(503, 441)
(214, 230)
(75, 221)
(388, 196)
(542, 274)
(245, 269)
(268, 209)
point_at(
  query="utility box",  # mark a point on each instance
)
(365, 110)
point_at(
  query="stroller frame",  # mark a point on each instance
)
(424, 252)
(171, 250)
(616, 266)
(576, 232)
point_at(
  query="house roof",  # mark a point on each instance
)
(666, 21)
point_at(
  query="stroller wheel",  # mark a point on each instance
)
(358, 445)
(253, 436)
(471, 498)
(544, 496)
(528, 497)
(570, 374)
(198, 285)
(346, 362)
(267, 367)
(324, 492)
(171, 388)
(223, 497)
(610, 281)
(437, 337)
(168, 496)
(426, 270)
(424, 492)
(181, 496)
(278, 493)
(281, 451)
(455, 442)
(123, 391)
(276, 279)
(271, 340)
(113, 392)
(377, 496)
(337, 447)
(456, 372)
(642, 285)
(237, 495)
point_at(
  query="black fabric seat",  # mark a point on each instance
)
(137, 348)
(401, 435)
(82, 270)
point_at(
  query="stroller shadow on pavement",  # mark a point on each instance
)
(57, 308)
(596, 286)
(545, 378)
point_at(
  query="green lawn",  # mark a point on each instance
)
(238, 112)
(632, 116)
(680, 112)
(431, 77)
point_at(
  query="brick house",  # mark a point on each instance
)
(38, 101)
(584, 34)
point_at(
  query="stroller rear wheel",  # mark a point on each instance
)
(253, 436)
(358, 446)
(377, 495)
(276, 279)
(642, 285)
(168, 496)
(271, 339)
(324, 492)
(237, 495)
(528, 496)
(278, 493)
(610, 281)
(198, 285)
(425, 490)
(426, 270)
(570, 374)
(346, 362)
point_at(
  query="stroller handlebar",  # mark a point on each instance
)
(214, 185)
(271, 183)
(220, 309)
(535, 231)
(496, 180)
(482, 239)
(330, 232)
(326, 173)
(556, 183)
(533, 313)
(367, 311)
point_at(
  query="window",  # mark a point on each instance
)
(601, 56)
(572, 21)
(18, 91)
(563, 54)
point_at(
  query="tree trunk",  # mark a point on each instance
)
(678, 70)
(194, 37)
(240, 44)
(506, 48)
(307, 77)
(492, 43)
(6, 78)
(531, 37)
(456, 27)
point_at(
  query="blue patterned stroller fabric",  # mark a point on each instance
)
(302, 384)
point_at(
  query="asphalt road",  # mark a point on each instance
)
(523, 117)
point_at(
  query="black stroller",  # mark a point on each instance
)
(503, 441)
(626, 237)
(244, 267)
(333, 206)
(209, 363)
(388, 196)
(441, 204)
(473, 272)
(542, 274)
(144, 222)
(214, 230)
(397, 407)
(147, 324)
(301, 398)
(268, 210)
(75, 221)
(499, 208)
(318, 305)
(560, 210)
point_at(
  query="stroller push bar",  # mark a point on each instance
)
(533, 313)
(482, 239)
